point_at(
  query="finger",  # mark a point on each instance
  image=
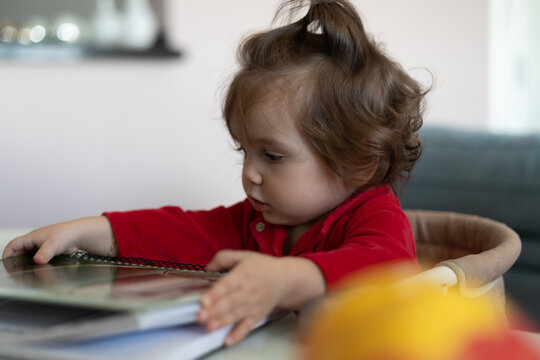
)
(228, 310)
(43, 256)
(11, 249)
(19, 245)
(227, 284)
(225, 259)
(47, 250)
(240, 330)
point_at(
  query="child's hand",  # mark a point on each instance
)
(92, 234)
(245, 295)
(256, 284)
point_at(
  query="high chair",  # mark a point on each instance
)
(466, 251)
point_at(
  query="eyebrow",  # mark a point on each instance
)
(269, 142)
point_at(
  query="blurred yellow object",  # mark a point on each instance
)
(416, 322)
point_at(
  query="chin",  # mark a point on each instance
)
(273, 219)
(279, 220)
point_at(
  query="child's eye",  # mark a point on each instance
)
(273, 157)
(241, 150)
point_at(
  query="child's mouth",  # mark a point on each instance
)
(259, 205)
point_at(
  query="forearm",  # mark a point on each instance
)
(303, 281)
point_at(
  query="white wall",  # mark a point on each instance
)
(450, 39)
(83, 137)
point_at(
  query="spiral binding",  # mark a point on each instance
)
(137, 261)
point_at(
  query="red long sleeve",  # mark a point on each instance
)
(367, 229)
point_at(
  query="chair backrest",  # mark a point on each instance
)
(464, 250)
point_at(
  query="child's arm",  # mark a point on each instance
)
(256, 284)
(92, 234)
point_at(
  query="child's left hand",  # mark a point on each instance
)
(256, 284)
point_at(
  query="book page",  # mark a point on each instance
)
(69, 281)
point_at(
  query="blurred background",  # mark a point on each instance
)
(116, 105)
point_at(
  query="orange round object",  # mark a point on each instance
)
(415, 322)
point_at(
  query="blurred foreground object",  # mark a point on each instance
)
(416, 321)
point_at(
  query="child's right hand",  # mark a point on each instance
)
(91, 234)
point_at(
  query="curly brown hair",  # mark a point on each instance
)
(356, 107)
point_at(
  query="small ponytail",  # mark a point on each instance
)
(342, 29)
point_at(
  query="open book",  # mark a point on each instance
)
(80, 297)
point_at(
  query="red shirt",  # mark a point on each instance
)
(366, 229)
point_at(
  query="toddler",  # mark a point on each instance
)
(326, 123)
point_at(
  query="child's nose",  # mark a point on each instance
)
(250, 173)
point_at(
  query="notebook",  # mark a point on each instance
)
(183, 342)
(180, 342)
(79, 297)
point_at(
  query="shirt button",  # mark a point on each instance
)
(259, 226)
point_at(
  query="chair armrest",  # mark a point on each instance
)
(478, 250)
(441, 276)
(444, 277)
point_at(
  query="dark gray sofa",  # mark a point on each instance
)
(495, 176)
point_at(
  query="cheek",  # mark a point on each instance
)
(320, 190)
(314, 182)
(298, 196)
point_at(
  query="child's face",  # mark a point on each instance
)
(282, 175)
